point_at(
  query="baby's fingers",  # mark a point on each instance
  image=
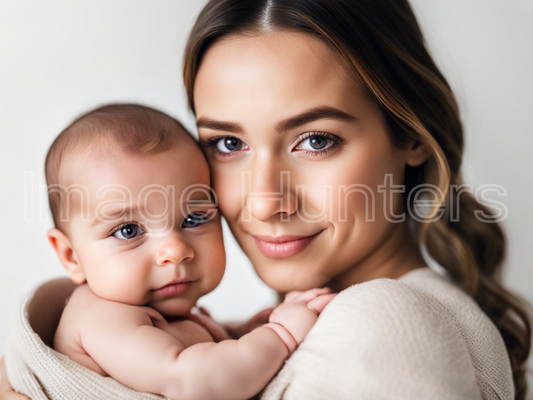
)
(307, 296)
(289, 297)
(319, 303)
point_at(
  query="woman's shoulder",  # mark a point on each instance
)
(387, 338)
(392, 295)
(421, 301)
(416, 284)
(428, 304)
(422, 296)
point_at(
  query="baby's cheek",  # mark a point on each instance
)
(229, 194)
(213, 261)
(118, 279)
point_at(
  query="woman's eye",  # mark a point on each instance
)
(193, 220)
(315, 143)
(129, 231)
(230, 144)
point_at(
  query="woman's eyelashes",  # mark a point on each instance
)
(317, 143)
(225, 146)
(230, 145)
(310, 143)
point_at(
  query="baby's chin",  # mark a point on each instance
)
(174, 307)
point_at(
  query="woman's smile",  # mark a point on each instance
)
(283, 246)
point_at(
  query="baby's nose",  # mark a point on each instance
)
(174, 250)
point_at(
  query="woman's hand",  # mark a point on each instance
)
(6, 391)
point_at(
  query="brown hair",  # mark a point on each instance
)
(134, 128)
(381, 42)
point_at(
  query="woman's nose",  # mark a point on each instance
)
(174, 250)
(270, 192)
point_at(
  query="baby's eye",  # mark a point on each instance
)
(128, 231)
(315, 143)
(195, 219)
(230, 144)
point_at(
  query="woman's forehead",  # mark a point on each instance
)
(275, 75)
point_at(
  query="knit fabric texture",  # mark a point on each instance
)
(416, 337)
(41, 373)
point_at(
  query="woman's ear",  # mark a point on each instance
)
(63, 248)
(417, 154)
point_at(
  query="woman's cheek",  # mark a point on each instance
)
(335, 188)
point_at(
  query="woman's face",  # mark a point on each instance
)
(296, 148)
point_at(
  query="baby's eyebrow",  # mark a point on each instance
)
(113, 214)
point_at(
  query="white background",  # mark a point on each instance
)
(59, 58)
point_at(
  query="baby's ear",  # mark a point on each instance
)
(63, 248)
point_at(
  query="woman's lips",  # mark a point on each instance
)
(173, 289)
(282, 246)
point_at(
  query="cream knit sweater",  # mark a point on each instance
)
(417, 337)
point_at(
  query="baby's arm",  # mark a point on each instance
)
(124, 342)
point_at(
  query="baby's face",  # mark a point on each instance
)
(144, 241)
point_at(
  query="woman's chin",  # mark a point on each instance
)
(285, 276)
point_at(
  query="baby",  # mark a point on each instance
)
(136, 227)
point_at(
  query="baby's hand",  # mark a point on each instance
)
(307, 296)
(295, 317)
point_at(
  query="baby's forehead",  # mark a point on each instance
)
(112, 175)
(110, 161)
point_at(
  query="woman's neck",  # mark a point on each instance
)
(396, 256)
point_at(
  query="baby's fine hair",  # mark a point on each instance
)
(134, 128)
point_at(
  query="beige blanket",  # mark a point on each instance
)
(40, 372)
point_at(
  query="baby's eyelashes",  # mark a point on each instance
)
(194, 220)
(128, 231)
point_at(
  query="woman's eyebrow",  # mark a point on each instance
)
(313, 114)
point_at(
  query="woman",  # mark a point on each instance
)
(313, 114)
